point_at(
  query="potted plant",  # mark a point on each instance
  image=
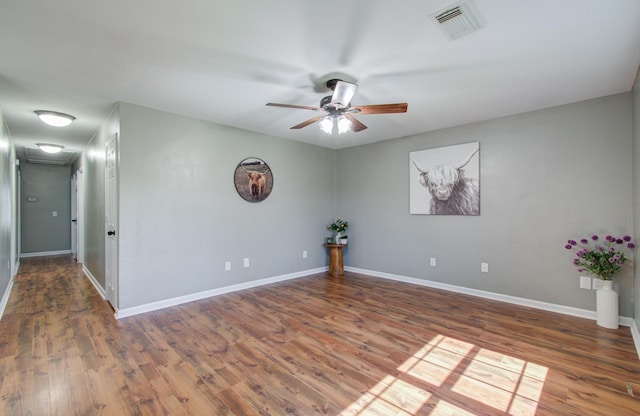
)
(602, 259)
(339, 226)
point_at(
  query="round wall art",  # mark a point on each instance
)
(253, 179)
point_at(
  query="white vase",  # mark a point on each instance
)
(607, 306)
(336, 238)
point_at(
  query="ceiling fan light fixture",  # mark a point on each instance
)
(50, 148)
(344, 125)
(343, 92)
(326, 124)
(54, 118)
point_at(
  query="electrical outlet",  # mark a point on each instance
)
(585, 282)
(484, 267)
(304, 254)
(245, 262)
(432, 262)
(596, 283)
(227, 265)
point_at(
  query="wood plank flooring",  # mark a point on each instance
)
(356, 345)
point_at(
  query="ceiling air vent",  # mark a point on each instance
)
(457, 20)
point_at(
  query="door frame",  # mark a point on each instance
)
(111, 221)
(74, 215)
(80, 215)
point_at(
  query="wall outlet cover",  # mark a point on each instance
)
(585, 282)
(596, 283)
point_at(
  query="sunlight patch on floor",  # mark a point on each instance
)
(461, 370)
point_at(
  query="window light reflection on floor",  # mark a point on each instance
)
(464, 371)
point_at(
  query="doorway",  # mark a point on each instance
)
(111, 222)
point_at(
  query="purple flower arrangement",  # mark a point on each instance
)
(601, 258)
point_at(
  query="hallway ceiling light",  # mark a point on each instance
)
(50, 148)
(53, 118)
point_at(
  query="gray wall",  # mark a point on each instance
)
(51, 185)
(6, 207)
(636, 187)
(181, 217)
(91, 166)
(546, 176)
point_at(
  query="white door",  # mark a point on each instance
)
(74, 216)
(111, 222)
(80, 216)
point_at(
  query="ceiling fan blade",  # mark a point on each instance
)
(381, 108)
(306, 123)
(343, 92)
(356, 125)
(301, 107)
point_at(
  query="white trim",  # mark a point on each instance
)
(636, 336)
(153, 306)
(7, 293)
(5, 297)
(551, 307)
(45, 253)
(94, 282)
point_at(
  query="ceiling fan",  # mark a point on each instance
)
(337, 109)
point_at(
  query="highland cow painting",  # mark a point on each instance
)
(253, 179)
(445, 180)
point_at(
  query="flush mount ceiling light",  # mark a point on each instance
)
(53, 118)
(50, 148)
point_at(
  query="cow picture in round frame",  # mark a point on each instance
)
(253, 179)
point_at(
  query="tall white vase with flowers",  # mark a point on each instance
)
(603, 259)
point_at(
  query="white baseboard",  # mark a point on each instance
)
(45, 253)
(154, 306)
(5, 297)
(636, 336)
(94, 282)
(551, 307)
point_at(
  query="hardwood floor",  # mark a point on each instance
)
(356, 345)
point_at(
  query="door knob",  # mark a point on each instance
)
(111, 233)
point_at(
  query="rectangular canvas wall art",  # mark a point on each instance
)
(445, 180)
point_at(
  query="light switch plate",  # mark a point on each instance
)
(596, 283)
(585, 282)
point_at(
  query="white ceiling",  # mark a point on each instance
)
(223, 60)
